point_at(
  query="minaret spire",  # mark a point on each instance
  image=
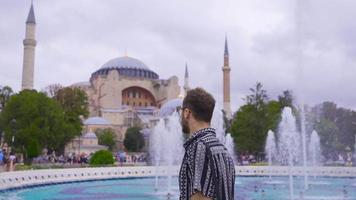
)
(29, 51)
(31, 16)
(226, 52)
(186, 80)
(226, 81)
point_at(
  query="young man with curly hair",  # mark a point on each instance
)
(207, 170)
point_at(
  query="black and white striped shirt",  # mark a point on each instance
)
(207, 167)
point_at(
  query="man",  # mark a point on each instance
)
(207, 170)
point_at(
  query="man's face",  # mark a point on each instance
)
(184, 120)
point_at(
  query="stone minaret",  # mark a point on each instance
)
(29, 51)
(186, 80)
(226, 86)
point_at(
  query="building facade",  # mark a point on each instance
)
(126, 92)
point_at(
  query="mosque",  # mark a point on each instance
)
(123, 92)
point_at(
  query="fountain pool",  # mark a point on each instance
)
(246, 188)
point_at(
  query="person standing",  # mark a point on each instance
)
(207, 170)
(12, 161)
(1, 157)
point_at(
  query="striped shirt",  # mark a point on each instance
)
(207, 167)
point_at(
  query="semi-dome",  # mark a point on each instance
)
(96, 121)
(127, 66)
(170, 106)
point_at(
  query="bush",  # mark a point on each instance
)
(102, 157)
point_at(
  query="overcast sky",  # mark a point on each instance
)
(304, 45)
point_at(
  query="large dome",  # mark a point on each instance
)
(125, 62)
(126, 66)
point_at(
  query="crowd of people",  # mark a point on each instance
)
(8, 160)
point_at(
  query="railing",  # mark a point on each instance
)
(21, 179)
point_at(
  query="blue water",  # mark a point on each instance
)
(246, 188)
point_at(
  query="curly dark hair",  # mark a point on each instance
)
(201, 103)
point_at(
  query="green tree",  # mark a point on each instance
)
(106, 137)
(5, 94)
(286, 99)
(102, 157)
(335, 125)
(258, 98)
(328, 132)
(36, 122)
(134, 140)
(74, 103)
(253, 120)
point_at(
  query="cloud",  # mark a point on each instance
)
(76, 37)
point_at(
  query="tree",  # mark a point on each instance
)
(253, 120)
(258, 97)
(74, 103)
(286, 99)
(134, 140)
(52, 89)
(328, 132)
(36, 122)
(106, 137)
(5, 94)
(336, 127)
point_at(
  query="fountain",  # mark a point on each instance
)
(229, 144)
(270, 148)
(304, 145)
(166, 143)
(289, 142)
(217, 122)
(355, 152)
(314, 149)
(166, 148)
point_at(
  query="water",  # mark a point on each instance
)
(229, 143)
(355, 150)
(217, 122)
(304, 143)
(271, 148)
(314, 149)
(166, 146)
(288, 139)
(246, 188)
(289, 142)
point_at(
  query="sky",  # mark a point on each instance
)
(301, 45)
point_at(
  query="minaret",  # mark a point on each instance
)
(186, 80)
(29, 51)
(226, 85)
